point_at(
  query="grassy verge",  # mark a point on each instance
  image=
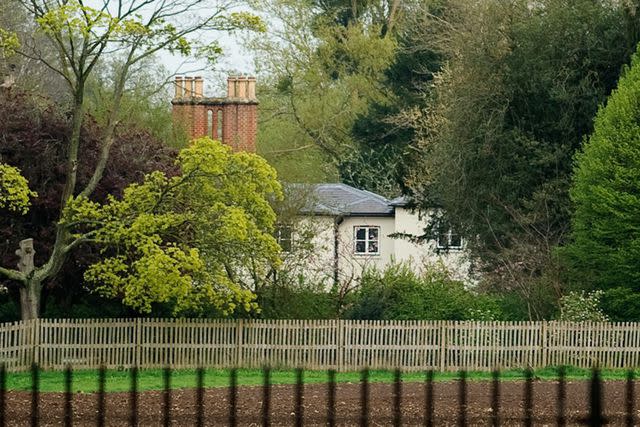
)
(151, 379)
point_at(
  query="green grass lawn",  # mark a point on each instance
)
(152, 379)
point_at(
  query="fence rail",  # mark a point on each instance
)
(342, 345)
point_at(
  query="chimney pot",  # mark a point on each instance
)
(231, 86)
(179, 87)
(198, 87)
(242, 87)
(188, 86)
(251, 87)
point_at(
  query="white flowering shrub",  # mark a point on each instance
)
(582, 307)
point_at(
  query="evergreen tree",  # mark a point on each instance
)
(605, 250)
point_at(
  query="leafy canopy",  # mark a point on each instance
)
(517, 93)
(320, 76)
(184, 239)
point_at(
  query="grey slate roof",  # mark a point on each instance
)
(342, 199)
(399, 201)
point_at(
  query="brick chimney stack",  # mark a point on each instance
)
(232, 120)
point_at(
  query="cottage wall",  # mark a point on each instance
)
(352, 264)
(426, 253)
(318, 264)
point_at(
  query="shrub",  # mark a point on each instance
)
(301, 301)
(582, 307)
(398, 293)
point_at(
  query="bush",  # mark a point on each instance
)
(582, 307)
(296, 302)
(398, 293)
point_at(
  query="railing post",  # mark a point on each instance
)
(239, 341)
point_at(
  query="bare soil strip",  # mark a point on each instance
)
(347, 405)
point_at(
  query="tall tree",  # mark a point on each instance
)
(605, 248)
(517, 94)
(187, 239)
(33, 135)
(321, 74)
(383, 134)
(81, 36)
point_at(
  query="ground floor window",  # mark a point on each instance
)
(367, 239)
(450, 240)
(284, 236)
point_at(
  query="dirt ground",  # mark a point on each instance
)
(315, 403)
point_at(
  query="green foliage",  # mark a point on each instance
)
(384, 133)
(9, 42)
(512, 106)
(80, 38)
(143, 103)
(582, 307)
(70, 19)
(321, 77)
(605, 248)
(537, 303)
(621, 304)
(398, 293)
(187, 239)
(14, 190)
(504, 118)
(9, 310)
(296, 302)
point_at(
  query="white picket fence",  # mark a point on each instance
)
(343, 345)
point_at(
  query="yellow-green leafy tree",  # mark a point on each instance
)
(190, 240)
(81, 36)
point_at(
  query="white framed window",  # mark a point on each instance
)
(450, 240)
(366, 240)
(284, 236)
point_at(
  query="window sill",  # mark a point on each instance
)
(450, 248)
(363, 255)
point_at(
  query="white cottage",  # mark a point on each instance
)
(345, 230)
(350, 229)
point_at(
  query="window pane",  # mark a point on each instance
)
(456, 241)
(285, 244)
(373, 233)
(373, 247)
(361, 233)
(285, 233)
(443, 240)
(360, 247)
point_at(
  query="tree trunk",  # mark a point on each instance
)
(30, 299)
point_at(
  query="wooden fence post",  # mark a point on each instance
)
(35, 340)
(138, 341)
(341, 325)
(544, 345)
(443, 345)
(239, 342)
